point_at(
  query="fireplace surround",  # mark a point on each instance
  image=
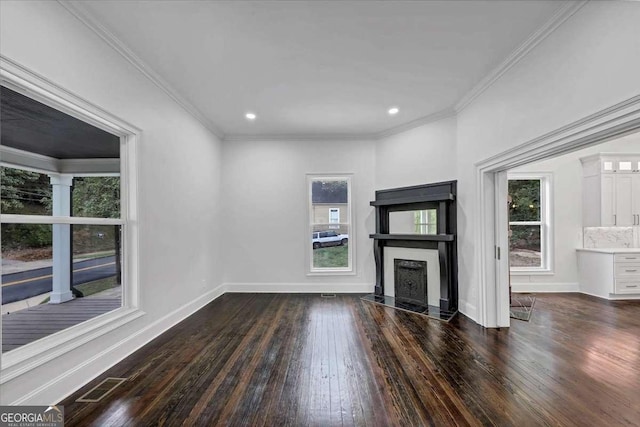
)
(440, 299)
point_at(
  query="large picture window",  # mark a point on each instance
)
(62, 217)
(529, 223)
(331, 245)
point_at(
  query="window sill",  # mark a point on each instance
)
(531, 272)
(23, 359)
(332, 273)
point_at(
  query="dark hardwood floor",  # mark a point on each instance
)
(299, 360)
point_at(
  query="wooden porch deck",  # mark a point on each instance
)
(25, 326)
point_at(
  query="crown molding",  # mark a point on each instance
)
(564, 13)
(241, 137)
(85, 17)
(431, 118)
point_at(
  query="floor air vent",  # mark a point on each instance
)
(100, 391)
(328, 295)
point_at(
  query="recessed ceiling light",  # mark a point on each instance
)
(250, 116)
(393, 111)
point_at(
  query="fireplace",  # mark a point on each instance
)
(415, 249)
(410, 281)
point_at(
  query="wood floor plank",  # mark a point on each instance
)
(303, 360)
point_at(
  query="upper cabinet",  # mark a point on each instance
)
(611, 190)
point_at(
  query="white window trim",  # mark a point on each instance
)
(25, 358)
(351, 269)
(546, 223)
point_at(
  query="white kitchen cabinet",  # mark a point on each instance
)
(611, 190)
(609, 273)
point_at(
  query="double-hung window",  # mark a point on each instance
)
(530, 243)
(329, 206)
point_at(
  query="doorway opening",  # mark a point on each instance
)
(492, 175)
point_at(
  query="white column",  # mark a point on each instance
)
(61, 197)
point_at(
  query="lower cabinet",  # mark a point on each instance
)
(627, 273)
(609, 274)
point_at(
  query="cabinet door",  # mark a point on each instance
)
(624, 200)
(607, 202)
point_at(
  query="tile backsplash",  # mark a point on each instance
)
(611, 237)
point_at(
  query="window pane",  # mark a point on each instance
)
(329, 224)
(524, 197)
(96, 270)
(30, 193)
(331, 248)
(525, 246)
(24, 246)
(329, 200)
(24, 192)
(96, 196)
(28, 252)
(624, 166)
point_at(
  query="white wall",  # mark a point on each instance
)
(418, 156)
(179, 182)
(567, 214)
(589, 63)
(265, 196)
(265, 227)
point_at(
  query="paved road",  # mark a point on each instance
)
(26, 284)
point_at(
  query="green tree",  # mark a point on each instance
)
(24, 192)
(329, 191)
(524, 206)
(97, 197)
(525, 200)
(29, 193)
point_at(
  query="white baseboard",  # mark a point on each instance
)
(64, 385)
(612, 297)
(297, 288)
(468, 310)
(624, 297)
(545, 287)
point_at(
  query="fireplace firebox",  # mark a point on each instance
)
(410, 281)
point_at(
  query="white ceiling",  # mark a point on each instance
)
(320, 67)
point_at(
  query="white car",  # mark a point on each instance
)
(328, 238)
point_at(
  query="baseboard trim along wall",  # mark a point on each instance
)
(63, 385)
(615, 297)
(297, 288)
(545, 287)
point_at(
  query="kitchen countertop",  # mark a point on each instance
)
(610, 250)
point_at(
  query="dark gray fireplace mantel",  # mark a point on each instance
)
(442, 197)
